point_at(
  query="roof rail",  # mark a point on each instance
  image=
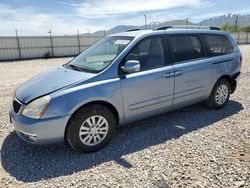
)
(188, 27)
(214, 28)
(132, 30)
(163, 28)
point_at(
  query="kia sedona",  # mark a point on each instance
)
(124, 78)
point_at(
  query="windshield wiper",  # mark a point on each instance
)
(106, 61)
(81, 69)
(75, 67)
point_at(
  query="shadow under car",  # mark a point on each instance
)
(29, 163)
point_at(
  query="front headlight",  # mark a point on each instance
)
(36, 108)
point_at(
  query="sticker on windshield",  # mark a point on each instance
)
(122, 42)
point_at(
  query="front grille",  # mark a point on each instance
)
(16, 106)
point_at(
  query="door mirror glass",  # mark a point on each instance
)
(131, 66)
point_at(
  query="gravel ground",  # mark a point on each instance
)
(191, 147)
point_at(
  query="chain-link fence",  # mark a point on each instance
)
(241, 37)
(27, 47)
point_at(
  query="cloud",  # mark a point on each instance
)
(96, 15)
(29, 21)
(105, 8)
(92, 15)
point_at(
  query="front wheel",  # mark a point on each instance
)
(90, 128)
(219, 95)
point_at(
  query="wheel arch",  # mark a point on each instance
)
(108, 105)
(231, 81)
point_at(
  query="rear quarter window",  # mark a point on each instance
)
(218, 45)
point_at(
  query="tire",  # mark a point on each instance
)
(83, 133)
(215, 101)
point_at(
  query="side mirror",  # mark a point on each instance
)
(131, 66)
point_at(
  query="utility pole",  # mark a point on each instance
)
(145, 16)
(18, 45)
(88, 32)
(187, 22)
(236, 22)
(78, 40)
(51, 43)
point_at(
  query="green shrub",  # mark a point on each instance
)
(47, 55)
(232, 28)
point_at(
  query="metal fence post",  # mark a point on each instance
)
(238, 40)
(18, 45)
(78, 37)
(51, 43)
(247, 38)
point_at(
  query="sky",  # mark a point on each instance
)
(37, 17)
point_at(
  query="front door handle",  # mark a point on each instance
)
(168, 75)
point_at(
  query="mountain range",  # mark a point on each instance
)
(243, 20)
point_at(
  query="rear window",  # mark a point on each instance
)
(185, 48)
(218, 45)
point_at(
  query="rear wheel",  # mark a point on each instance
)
(90, 128)
(220, 94)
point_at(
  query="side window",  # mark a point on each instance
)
(218, 45)
(185, 48)
(149, 52)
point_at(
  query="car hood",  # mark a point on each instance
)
(49, 82)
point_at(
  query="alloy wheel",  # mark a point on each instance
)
(221, 94)
(93, 130)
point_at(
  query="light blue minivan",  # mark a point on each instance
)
(123, 78)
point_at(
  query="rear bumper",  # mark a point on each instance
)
(39, 131)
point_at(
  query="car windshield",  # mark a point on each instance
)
(101, 54)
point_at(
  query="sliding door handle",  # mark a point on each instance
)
(168, 75)
(178, 73)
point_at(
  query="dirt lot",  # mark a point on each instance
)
(192, 147)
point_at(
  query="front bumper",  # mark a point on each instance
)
(39, 131)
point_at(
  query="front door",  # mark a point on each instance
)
(149, 91)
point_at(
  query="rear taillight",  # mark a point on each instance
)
(241, 58)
